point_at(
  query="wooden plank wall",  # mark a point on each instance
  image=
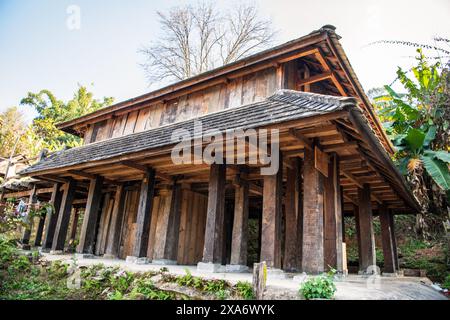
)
(240, 91)
(192, 225)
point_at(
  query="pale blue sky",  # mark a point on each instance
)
(38, 51)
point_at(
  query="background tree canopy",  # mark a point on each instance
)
(42, 132)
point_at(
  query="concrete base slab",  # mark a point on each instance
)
(209, 267)
(45, 250)
(57, 252)
(84, 256)
(137, 260)
(236, 268)
(164, 261)
(109, 256)
(275, 274)
(300, 278)
(390, 274)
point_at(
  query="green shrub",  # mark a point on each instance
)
(320, 287)
(222, 294)
(446, 284)
(245, 290)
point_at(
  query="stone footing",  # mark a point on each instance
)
(56, 252)
(109, 256)
(45, 250)
(164, 261)
(390, 274)
(210, 267)
(137, 260)
(274, 274)
(84, 256)
(236, 268)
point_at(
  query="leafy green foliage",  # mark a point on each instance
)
(320, 287)
(417, 122)
(245, 290)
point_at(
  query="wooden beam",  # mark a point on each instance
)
(315, 78)
(52, 217)
(143, 168)
(301, 138)
(387, 241)
(240, 225)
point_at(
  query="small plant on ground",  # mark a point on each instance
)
(245, 290)
(320, 287)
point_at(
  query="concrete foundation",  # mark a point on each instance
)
(57, 252)
(210, 267)
(275, 274)
(164, 262)
(137, 260)
(84, 256)
(236, 268)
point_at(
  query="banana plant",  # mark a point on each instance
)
(416, 121)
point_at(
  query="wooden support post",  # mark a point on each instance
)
(358, 231)
(29, 220)
(290, 262)
(144, 214)
(394, 240)
(112, 247)
(62, 224)
(74, 227)
(387, 241)
(367, 263)
(271, 218)
(166, 250)
(212, 251)
(52, 217)
(333, 217)
(299, 187)
(90, 219)
(238, 261)
(39, 231)
(313, 238)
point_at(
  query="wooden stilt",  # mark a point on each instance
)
(299, 187)
(90, 219)
(240, 225)
(368, 258)
(39, 231)
(52, 218)
(112, 247)
(394, 240)
(29, 220)
(271, 218)
(291, 231)
(212, 251)
(62, 224)
(144, 214)
(387, 241)
(333, 217)
(313, 238)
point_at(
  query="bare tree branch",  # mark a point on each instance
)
(198, 38)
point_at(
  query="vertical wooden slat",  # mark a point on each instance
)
(89, 226)
(62, 224)
(291, 231)
(299, 208)
(240, 225)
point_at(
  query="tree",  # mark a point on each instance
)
(52, 111)
(417, 123)
(198, 38)
(13, 133)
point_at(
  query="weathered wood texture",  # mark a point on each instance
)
(52, 218)
(244, 90)
(90, 219)
(290, 262)
(271, 218)
(367, 237)
(192, 227)
(117, 219)
(74, 226)
(387, 241)
(213, 246)
(144, 214)
(299, 189)
(27, 230)
(394, 239)
(313, 235)
(104, 224)
(62, 224)
(39, 231)
(240, 225)
(129, 225)
(333, 217)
